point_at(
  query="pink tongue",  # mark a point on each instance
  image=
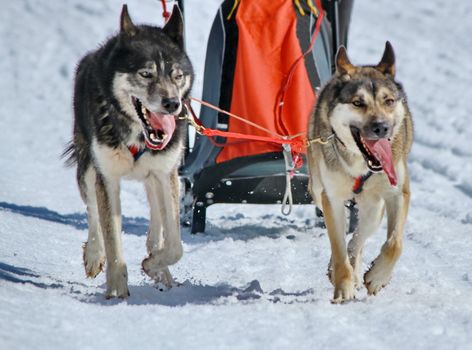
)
(382, 150)
(164, 122)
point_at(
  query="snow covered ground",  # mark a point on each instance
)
(256, 279)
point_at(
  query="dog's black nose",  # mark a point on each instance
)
(379, 129)
(171, 104)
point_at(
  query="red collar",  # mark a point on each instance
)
(360, 181)
(136, 151)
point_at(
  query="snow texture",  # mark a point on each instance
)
(256, 279)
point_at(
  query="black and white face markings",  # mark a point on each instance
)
(160, 86)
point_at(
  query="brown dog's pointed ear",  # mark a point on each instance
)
(126, 24)
(387, 63)
(174, 28)
(343, 65)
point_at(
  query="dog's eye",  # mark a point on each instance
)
(389, 102)
(145, 74)
(357, 103)
(178, 77)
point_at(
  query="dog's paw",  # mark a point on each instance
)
(117, 282)
(344, 292)
(356, 264)
(343, 281)
(357, 276)
(330, 273)
(94, 259)
(165, 256)
(377, 276)
(160, 275)
(164, 277)
(358, 281)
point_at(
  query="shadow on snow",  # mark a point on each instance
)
(15, 274)
(240, 229)
(149, 294)
(135, 226)
(197, 294)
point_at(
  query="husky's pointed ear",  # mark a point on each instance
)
(126, 24)
(387, 63)
(343, 65)
(174, 28)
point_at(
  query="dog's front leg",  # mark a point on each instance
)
(371, 208)
(381, 269)
(109, 208)
(342, 273)
(94, 250)
(164, 243)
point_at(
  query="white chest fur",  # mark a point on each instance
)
(119, 162)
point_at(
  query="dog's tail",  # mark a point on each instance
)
(70, 154)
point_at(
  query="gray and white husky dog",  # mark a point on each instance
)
(128, 96)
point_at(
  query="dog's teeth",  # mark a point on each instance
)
(143, 110)
(369, 162)
(153, 137)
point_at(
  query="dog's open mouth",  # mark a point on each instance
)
(377, 154)
(158, 128)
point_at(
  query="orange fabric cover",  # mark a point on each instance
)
(267, 48)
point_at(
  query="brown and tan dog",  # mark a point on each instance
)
(363, 115)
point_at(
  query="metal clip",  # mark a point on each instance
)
(287, 201)
(190, 117)
(320, 140)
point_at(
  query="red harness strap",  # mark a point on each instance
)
(297, 143)
(360, 181)
(282, 92)
(136, 152)
(133, 149)
(165, 13)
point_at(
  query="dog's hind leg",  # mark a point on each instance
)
(109, 209)
(164, 244)
(94, 251)
(370, 215)
(342, 273)
(381, 269)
